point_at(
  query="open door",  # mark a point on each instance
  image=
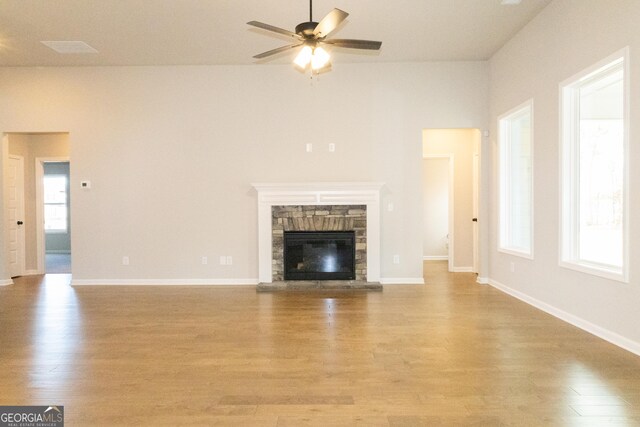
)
(476, 230)
(15, 215)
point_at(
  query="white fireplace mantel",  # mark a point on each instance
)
(318, 193)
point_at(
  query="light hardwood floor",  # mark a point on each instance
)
(448, 353)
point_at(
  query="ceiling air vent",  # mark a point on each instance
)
(65, 46)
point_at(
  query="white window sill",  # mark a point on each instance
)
(608, 273)
(521, 254)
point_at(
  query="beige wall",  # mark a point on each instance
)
(435, 179)
(171, 152)
(564, 39)
(461, 144)
(30, 147)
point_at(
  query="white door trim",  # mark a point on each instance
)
(4, 225)
(40, 236)
(20, 235)
(450, 158)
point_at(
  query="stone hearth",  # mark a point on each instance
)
(295, 285)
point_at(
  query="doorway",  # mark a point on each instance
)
(27, 228)
(460, 147)
(54, 224)
(437, 178)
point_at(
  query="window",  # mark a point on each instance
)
(55, 203)
(516, 181)
(594, 150)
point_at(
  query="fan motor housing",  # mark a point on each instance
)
(305, 29)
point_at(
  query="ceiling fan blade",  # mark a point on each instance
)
(273, 29)
(278, 50)
(354, 44)
(330, 23)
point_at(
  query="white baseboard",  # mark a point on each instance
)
(462, 270)
(6, 282)
(605, 334)
(482, 280)
(163, 282)
(32, 273)
(435, 258)
(402, 281)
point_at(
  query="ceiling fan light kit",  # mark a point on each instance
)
(311, 35)
(317, 57)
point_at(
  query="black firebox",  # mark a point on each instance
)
(319, 255)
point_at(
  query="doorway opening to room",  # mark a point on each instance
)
(38, 212)
(52, 177)
(450, 197)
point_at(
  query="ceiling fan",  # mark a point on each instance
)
(311, 35)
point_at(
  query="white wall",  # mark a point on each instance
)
(565, 38)
(435, 179)
(171, 152)
(461, 144)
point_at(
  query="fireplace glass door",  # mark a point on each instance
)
(319, 255)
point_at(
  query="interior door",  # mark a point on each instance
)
(15, 215)
(476, 238)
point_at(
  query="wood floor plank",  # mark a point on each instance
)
(448, 353)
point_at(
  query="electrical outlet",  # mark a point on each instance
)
(390, 206)
(205, 260)
(332, 147)
(223, 260)
(229, 260)
(396, 259)
(513, 267)
(125, 260)
(309, 147)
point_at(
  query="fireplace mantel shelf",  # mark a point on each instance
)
(318, 193)
(317, 186)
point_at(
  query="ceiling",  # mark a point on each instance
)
(193, 32)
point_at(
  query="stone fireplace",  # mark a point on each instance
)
(320, 218)
(318, 207)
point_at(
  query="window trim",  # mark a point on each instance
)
(567, 241)
(529, 104)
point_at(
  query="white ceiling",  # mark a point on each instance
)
(172, 32)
